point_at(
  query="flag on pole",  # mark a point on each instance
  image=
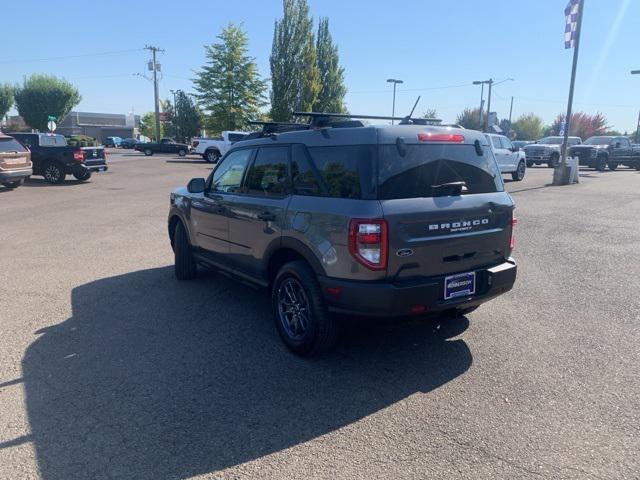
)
(571, 23)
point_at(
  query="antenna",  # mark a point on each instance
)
(414, 107)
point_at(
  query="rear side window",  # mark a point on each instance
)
(236, 137)
(8, 145)
(306, 181)
(269, 174)
(424, 167)
(346, 170)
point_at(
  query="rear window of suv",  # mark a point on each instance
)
(8, 145)
(424, 167)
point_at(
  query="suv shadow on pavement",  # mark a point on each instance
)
(153, 378)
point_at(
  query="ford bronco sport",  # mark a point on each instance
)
(342, 218)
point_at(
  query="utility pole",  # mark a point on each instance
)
(510, 112)
(560, 176)
(481, 83)
(155, 67)
(637, 72)
(393, 108)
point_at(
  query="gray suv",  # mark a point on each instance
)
(352, 220)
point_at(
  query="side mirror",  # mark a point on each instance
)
(196, 185)
(515, 149)
(617, 145)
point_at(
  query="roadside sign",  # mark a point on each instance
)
(51, 125)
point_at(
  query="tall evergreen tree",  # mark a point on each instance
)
(228, 86)
(332, 88)
(295, 78)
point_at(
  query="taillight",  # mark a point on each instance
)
(78, 156)
(512, 241)
(441, 137)
(369, 242)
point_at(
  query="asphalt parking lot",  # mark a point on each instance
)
(110, 368)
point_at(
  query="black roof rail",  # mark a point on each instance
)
(324, 119)
(273, 128)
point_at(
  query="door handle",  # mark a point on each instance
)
(267, 216)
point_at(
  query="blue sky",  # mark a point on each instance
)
(428, 44)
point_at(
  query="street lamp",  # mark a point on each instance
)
(393, 108)
(481, 83)
(491, 83)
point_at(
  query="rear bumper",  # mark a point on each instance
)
(15, 175)
(397, 299)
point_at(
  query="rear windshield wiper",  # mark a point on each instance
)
(450, 188)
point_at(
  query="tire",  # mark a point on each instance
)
(148, 152)
(518, 175)
(612, 165)
(182, 152)
(553, 160)
(54, 173)
(185, 265)
(601, 163)
(295, 291)
(211, 156)
(82, 176)
(14, 184)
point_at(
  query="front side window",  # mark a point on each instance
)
(506, 143)
(424, 171)
(269, 174)
(227, 177)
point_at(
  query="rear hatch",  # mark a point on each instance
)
(13, 155)
(446, 209)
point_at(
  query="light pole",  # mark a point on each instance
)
(175, 114)
(393, 108)
(637, 72)
(481, 83)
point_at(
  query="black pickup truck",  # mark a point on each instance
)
(166, 145)
(54, 159)
(602, 151)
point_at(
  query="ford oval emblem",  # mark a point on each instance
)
(404, 252)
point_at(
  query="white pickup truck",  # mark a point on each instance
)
(212, 149)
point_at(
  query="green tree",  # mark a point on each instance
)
(470, 118)
(332, 88)
(228, 86)
(184, 118)
(582, 125)
(148, 126)
(6, 99)
(295, 77)
(528, 126)
(44, 95)
(430, 113)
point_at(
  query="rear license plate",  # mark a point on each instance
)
(460, 285)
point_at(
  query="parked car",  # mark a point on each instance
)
(520, 144)
(129, 143)
(547, 150)
(113, 142)
(602, 151)
(166, 145)
(371, 221)
(15, 162)
(211, 149)
(510, 158)
(54, 159)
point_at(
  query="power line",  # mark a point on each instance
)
(415, 89)
(66, 57)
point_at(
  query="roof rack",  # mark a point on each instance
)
(273, 128)
(324, 119)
